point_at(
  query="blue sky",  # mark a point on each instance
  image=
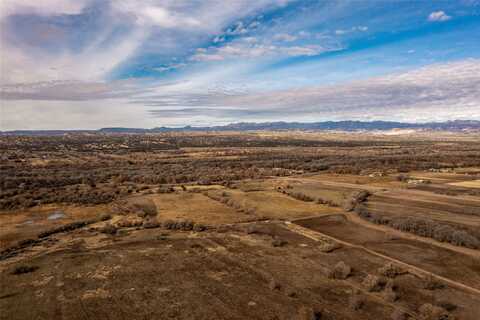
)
(95, 63)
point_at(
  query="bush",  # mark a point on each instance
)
(373, 283)
(356, 301)
(252, 229)
(308, 313)
(389, 295)
(462, 238)
(105, 217)
(165, 189)
(341, 271)
(278, 242)
(184, 225)
(329, 246)
(391, 284)
(422, 227)
(361, 196)
(300, 196)
(430, 312)
(274, 285)
(22, 269)
(151, 224)
(66, 228)
(398, 315)
(390, 270)
(129, 223)
(108, 229)
(199, 227)
(431, 283)
(446, 305)
(168, 224)
(146, 207)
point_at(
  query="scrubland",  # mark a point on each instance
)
(232, 225)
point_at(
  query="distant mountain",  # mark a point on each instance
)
(456, 125)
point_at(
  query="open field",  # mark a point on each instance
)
(468, 184)
(257, 225)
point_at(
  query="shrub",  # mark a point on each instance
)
(252, 229)
(129, 223)
(422, 227)
(199, 227)
(329, 246)
(308, 313)
(165, 189)
(299, 196)
(66, 228)
(446, 305)
(389, 295)
(431, 283)
(391, 284)
(151, 224)
(361, 196)
(373, 283)
(430, 312)
(168, 224)
(462, 238)
(185, 225)
(348, 205)
(362, 212)
(146, 207)
(390, 270)
(274, 285)
(105, 217)
(108, 229)
(398, 314)
(356, 301)
(341, 271)
(278, 242)
(22, 269)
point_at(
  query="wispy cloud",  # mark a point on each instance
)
(200, 61)
(449, 89)
(254, 50)
(71, 90)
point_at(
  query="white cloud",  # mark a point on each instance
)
(352, 29)
(70, 90)
(163, 18)
(91, 114)
(285, 37)
(170, 67)
(438, 16)
(44, 7)
(436, 92)
(251, 49)
(103, 49)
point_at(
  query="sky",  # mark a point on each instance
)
(88, 64)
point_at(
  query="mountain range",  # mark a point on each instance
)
(455, 125)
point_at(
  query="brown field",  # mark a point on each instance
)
(468, 184)
(257, 225)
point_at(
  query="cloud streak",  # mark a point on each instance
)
(445, 89)
(208, 62)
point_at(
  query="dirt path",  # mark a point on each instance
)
(317, 236)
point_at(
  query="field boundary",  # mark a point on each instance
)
(316, 236)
